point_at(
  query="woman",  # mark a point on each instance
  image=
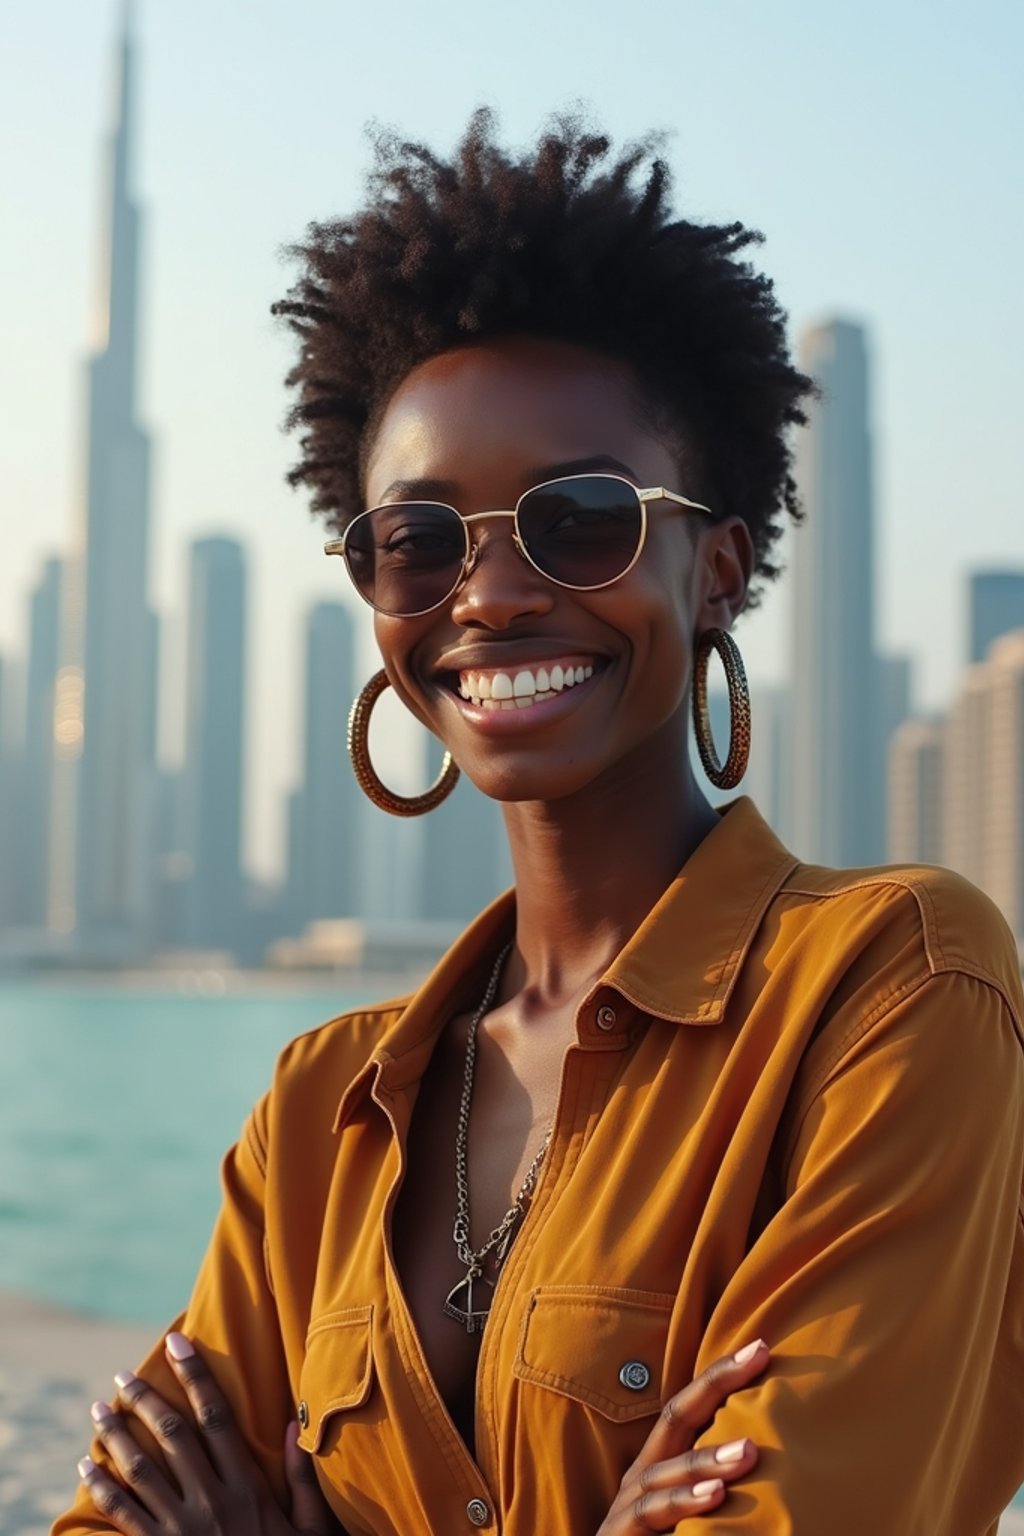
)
(679, 1095)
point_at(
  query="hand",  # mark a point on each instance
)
(669, 1480)
(209, 1484)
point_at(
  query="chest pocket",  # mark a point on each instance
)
(602, 1347)
(337, 1372)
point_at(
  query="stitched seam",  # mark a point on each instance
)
(347, 1317)
(853, 1036)
(569, 1387)
(929, 925)
(256, 1146)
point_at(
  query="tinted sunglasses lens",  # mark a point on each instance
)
(406, 559)
(583, 531)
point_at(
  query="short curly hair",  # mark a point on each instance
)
(568, 241)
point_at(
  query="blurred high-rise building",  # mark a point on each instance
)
(1004, 779)
(214, 742)
(324, 815)
(117, 647)
(965, 777)
(464, 862)
(915, 793)
(10, 785)
(837, 802)
(35, 818)
(996, 606)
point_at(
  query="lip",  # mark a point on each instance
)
(512, 655)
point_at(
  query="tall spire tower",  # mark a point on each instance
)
(119, 633)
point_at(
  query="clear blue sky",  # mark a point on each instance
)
(877, 145)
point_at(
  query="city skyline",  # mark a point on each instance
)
(233, 167)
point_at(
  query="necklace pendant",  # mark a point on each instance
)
(459, 1303)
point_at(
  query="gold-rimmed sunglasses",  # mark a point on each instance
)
(580, 531)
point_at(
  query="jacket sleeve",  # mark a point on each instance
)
(889, 1284)
(233, 1321)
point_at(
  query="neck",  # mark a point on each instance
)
(591, 866)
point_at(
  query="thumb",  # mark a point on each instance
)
(310, 1511)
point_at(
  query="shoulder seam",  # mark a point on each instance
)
(939, 960)
(858, 1030)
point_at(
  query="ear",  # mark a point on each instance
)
(722, 568)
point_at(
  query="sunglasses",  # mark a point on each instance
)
(581, 532)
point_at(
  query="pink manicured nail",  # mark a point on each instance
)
(748, 1352)
(124, 1378)
(178, 1347)
(100, 1410)
(707, 1489)
(86, 1467)
(731, 1452)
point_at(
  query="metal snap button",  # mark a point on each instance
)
(303, 1414)
(606, 1018)
(634, 1375)
(478, 1512)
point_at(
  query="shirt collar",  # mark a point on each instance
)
(681, 964)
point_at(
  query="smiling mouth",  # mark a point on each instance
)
(493, 689)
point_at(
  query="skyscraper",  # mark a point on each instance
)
(214, 725)
(1004, 780)
(36, 811)
(464, 860)
(112, 880)
(837, 800)
(996, 606)
(915, 799)
(325, 817)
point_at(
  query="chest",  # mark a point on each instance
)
(512, 1105)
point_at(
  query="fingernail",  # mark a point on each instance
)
(178, 1347)
(732, 1452)
(100, 1411)
(85, 1467)
(742, 1356)
(124, 1378)
(708, 1488)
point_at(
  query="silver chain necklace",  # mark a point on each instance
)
(463, 1300)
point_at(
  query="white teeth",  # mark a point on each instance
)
(503, 690)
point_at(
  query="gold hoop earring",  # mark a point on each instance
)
(366, 774)
(729, 775)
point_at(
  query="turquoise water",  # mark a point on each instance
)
(115, 1110)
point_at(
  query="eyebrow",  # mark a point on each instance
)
(441, 490)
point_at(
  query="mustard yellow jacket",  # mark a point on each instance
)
(794, 1109)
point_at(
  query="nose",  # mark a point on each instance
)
(500, 585)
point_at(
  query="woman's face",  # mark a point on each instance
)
(475, 428)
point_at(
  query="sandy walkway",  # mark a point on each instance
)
(53, 1364)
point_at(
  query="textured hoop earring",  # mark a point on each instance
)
(729, 775)
(366, 774)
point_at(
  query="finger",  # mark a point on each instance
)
(691, 1410)
(310, 1511)
(175, 1436)
(113, 1502)
(137, 1471)
(663, 1509)
(218, 1429)
(729, 1462)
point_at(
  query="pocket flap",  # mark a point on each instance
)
(602, 1347)
(337, 1370)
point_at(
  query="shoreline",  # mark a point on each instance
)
(53, 1363)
